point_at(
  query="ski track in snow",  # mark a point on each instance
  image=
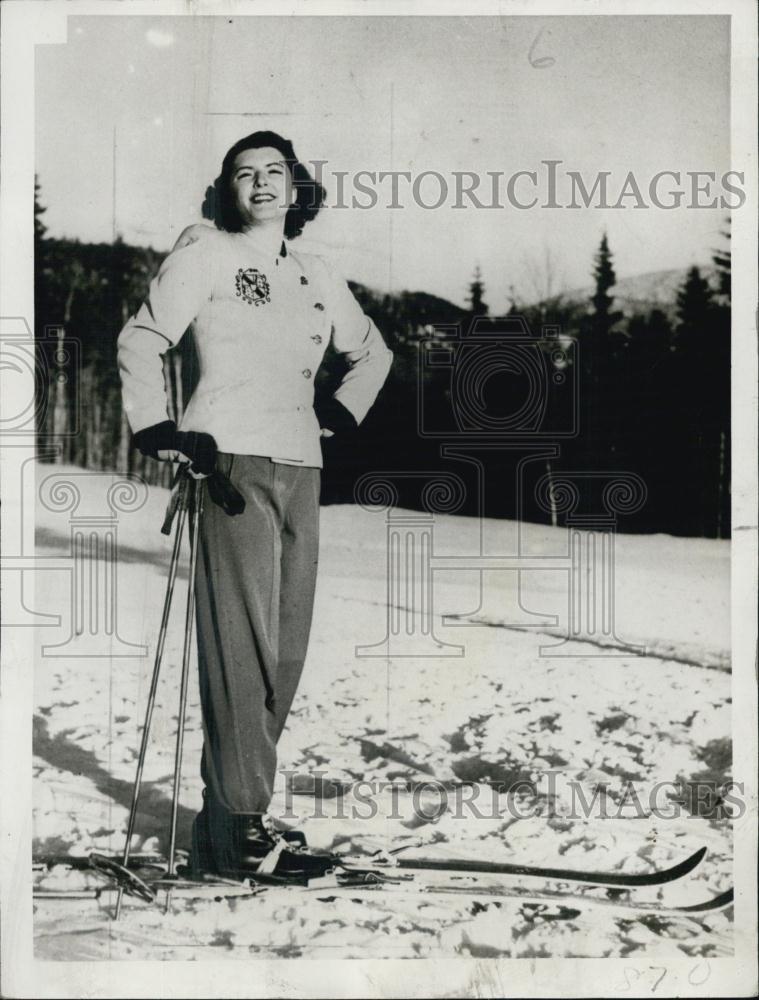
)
(469, 724)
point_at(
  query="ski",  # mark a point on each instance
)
(385, 863)
(298, 870)
(660, 876)
(470, 887)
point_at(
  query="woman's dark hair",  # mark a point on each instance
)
(219, 203)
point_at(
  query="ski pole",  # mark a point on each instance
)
(197, 505)
(174, 565)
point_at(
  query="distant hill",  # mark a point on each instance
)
(423, 306)
(640, 293)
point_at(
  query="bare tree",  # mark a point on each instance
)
(544, 279)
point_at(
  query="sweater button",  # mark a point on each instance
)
(307, 373)
(319, 306)
(317, 338)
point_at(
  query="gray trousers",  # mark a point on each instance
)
(254, 588)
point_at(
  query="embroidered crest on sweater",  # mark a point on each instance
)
(252, 286)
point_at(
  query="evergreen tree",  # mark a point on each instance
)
(477, 304)
(722, 328)
(702, 386)
(602, 369)
(722, 261)
(39, 227)
(604, 317)
(694, 303)
(694, 345)
(644, 402)
(695, 342)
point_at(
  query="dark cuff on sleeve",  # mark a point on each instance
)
(333, 416)
(157, 437)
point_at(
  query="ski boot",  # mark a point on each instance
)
(237, 846)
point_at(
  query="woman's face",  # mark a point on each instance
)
(261, 186)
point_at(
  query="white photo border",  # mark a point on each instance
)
(29, 24)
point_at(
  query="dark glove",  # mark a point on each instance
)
(225, 494)
(199, 447)
(221, 491)
(333, 416)
(158, 437)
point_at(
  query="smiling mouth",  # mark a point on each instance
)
(258, 198)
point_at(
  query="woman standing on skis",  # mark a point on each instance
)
(262, 315)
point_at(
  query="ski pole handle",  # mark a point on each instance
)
(177, 500)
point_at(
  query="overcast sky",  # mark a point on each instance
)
(407, 93)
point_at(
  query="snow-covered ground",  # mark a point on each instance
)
(468, 726)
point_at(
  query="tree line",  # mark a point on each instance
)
(653, 386)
